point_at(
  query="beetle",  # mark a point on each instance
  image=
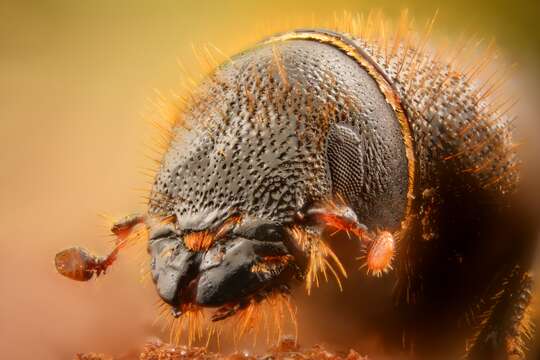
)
(314, 131)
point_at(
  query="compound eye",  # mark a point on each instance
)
(261, 230)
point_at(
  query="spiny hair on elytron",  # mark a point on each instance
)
(366, 129)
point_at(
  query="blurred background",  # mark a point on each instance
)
(77, 82)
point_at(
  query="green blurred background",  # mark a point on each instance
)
(75, 82)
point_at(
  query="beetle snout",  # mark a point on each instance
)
(227, 272)
(241, 267)
(173, 266)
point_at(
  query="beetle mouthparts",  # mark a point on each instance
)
(176, 311)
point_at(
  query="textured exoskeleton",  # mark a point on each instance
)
(314, 131)
(311, 116)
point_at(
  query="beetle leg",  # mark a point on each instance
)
(520, 328)
(506, 327)
(227, 311)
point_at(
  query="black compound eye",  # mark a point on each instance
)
(260, 230)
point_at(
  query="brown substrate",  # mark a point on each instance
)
(287, 349)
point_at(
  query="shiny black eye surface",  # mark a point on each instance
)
(260, 230)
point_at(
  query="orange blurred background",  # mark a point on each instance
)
(76, 83)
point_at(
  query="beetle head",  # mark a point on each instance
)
(228, 264)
